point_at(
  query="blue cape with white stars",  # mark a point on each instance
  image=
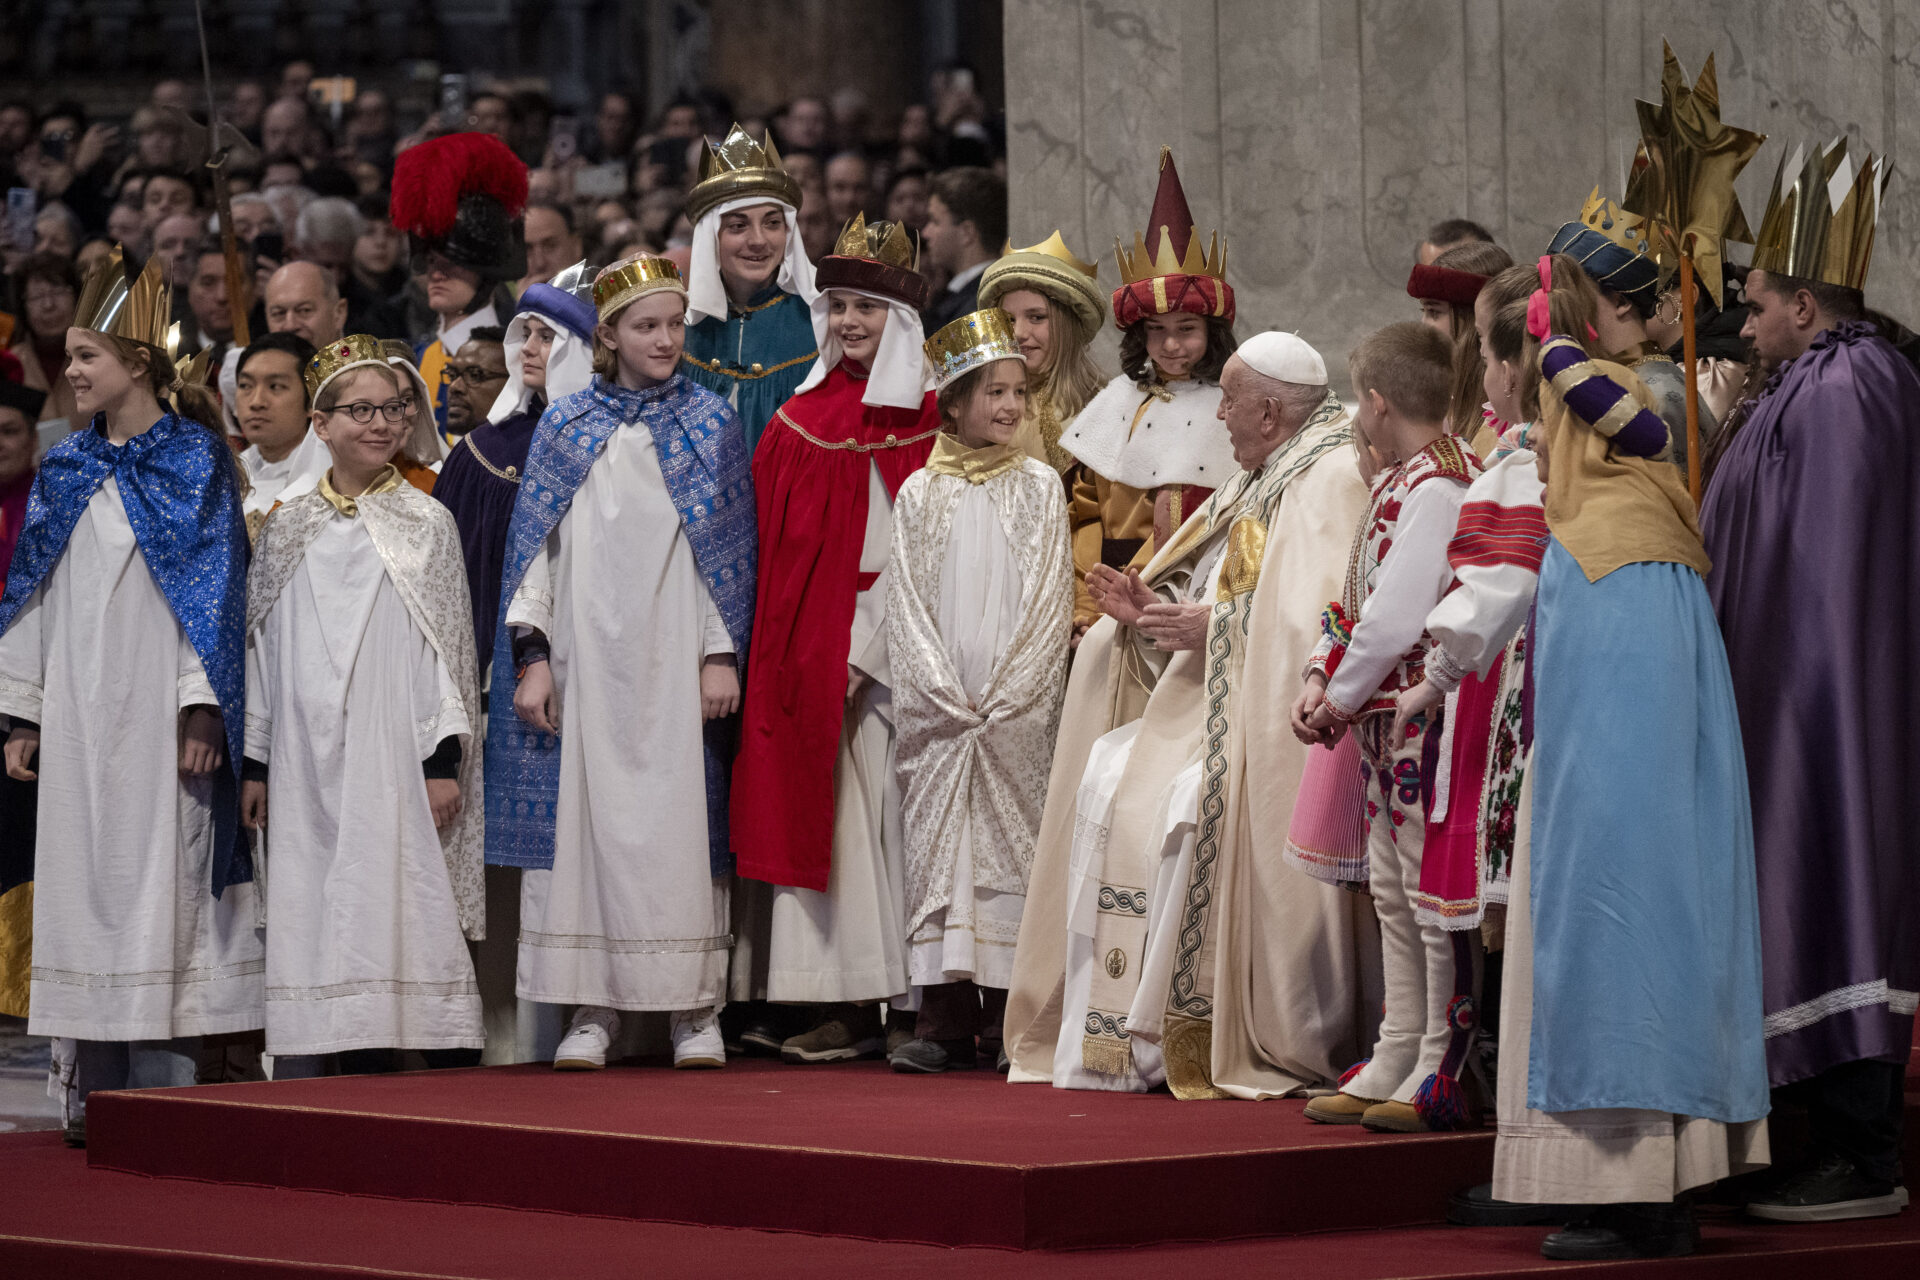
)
(180, 488)
(703, 457)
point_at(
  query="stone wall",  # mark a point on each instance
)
(1324, 136)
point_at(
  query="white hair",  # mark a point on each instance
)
(328, 220)
(287, 202)
(247, 200)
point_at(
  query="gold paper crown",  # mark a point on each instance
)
(632, 278)
(976, 339)
(881, 242)
(1627, 230)
(1155, 255)
(1055, 247)
(138, 309)
(340, 355)
(1821, 216)
(1049, 268)
(737, 168)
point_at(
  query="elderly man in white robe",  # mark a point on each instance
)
(1165, 938)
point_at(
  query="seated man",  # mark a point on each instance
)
(1191, 952)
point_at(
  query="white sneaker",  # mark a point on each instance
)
(696, 1039)
(589, 1034)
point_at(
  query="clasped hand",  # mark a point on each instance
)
(1130, 602)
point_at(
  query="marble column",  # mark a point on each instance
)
(1324, 136)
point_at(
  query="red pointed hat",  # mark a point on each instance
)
(1166, 271)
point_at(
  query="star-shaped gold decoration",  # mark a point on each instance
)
(1682, 180)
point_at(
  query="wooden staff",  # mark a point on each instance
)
(238, 286)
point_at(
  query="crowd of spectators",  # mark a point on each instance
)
(308, 191)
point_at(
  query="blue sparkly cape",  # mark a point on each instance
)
(181, 492)
(703, 457)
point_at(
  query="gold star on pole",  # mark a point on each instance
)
(1682, 181)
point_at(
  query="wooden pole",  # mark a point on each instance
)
(239, 288)
(1693, 382)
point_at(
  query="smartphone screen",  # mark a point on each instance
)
(23, 203)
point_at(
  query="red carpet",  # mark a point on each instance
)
(59, 1218)
(962, 1159)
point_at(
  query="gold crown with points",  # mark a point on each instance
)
(880, 241)
(1055, 246)
(1052, 269)
(976, 339)
(1821, 216)
(1153, 256)
(353, 351)
(1137, 265)
(1627, 230)
(138, 309)
(740, 168)
(632, 278)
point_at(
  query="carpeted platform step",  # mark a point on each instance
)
(858, 1151)
(60, 1218)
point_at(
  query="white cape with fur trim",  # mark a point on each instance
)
(1171, 434)
(707, 293)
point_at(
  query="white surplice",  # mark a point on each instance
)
(129, 942)
(297, 473)
(346, 697)
(630, 917)
(849, 943)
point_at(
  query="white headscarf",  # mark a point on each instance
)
(569, 367)
(707, 292)
(899, 376)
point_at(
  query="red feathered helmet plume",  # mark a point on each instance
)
(461, 196)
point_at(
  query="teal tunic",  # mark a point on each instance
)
(756, 357)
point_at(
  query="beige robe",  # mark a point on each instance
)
(1287, 969)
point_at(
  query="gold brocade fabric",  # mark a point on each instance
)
(1040, 432)
(16, 949)
(1607, 507)
(386, 480)
(975, 466)
(1101, 509)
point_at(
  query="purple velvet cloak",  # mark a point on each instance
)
(1813, 524)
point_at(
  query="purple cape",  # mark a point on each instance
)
(472, 486)
(1816, 580)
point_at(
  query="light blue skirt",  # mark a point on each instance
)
(1646, 921)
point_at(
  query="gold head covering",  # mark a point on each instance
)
(972, 341)
(634, 278)
(137, 308)
(355, 351)
(880, 241)
(737, 169)
(1821, 216)
(1052, 269)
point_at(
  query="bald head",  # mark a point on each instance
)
(1261, 412)
(304, 298)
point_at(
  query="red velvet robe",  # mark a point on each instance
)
(810, 487)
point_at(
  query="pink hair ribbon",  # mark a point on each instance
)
(1539, 323)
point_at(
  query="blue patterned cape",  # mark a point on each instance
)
(181, 492)
(703, 457)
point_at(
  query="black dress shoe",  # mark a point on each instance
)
(1831, 1189)
(767, 1027)
(1611, 1231)
(1476, 1207)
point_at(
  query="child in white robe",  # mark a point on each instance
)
(629, 588)
(363, 698)
(979, 616)
(121, 682)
